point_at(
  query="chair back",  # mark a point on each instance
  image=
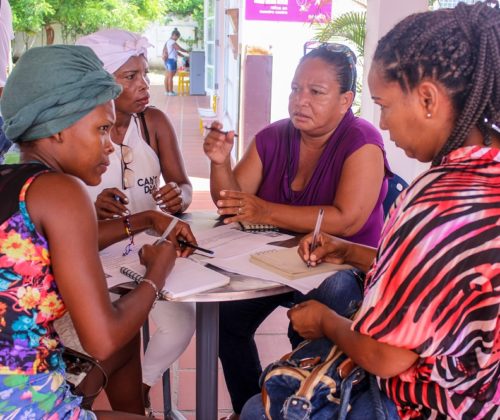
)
(395, 187)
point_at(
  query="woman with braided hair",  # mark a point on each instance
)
(428, 326)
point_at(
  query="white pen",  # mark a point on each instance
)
(317, 228)
(169, 228)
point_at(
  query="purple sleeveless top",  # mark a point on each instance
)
(278, 146)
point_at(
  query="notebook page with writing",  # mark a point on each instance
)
(287, 263)
(186, 278)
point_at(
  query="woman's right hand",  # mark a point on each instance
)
(328, 249)
(159, 260)
(110, 203)
(216, 145)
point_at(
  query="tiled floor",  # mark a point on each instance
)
(271, 337)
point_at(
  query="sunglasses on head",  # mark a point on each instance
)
(330, 46)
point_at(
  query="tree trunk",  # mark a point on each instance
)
(49, 33)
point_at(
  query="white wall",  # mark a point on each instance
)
(286, 41)
(159, 34)
(382, 15)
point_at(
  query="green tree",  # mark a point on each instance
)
(80, 17)
(29, 17)
(184, 8)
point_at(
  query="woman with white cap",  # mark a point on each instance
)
(145, 149)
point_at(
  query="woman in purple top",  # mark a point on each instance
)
(322, 157)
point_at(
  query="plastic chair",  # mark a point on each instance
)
(183, 83)
(395, 187)
(208, 115)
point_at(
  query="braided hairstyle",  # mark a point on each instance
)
(342, 59)
(460, 49)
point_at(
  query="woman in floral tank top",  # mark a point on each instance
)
(57, 105)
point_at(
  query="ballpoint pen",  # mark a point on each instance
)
(219, 131)
(169, 229)
(190, 245)
(315, 234)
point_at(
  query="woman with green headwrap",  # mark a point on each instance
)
(58, 106)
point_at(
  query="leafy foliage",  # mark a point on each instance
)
(80, 17)
(185, 8)
(30, 15)
(350, 26)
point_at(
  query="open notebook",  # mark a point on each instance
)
(186, 278)
(287, 263)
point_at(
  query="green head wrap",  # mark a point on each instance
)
(51, 88)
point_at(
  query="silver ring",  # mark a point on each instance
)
(240, 210)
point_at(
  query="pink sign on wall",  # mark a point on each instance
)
(289, 10)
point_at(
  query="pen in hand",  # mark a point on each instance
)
(317, 228)
(190, 245)
(219, 131)
(169, 229)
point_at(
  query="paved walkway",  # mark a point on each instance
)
(182, 111)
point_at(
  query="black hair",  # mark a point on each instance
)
(176, 33)
(460, 49)
(342, 59)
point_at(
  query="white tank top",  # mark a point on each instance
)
(146, 167)
(172, 52)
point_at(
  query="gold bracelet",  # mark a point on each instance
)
(153, 285)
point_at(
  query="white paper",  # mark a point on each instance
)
(187, 277)
(229, 240)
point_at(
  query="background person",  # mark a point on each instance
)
(58, 106)
(428, 326)
(321, 157)
(170, 52)
(146, 149)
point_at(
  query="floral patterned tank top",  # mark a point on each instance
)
(29, 298)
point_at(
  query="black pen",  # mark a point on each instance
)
(190, 245)
(219, 131)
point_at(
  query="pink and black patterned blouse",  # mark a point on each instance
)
(435, 289)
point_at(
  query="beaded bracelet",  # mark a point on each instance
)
(153, 285)
(128, 231)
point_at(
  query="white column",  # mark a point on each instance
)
(382, 15)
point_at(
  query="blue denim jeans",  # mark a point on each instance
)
(342, 292)
(362, 408)
(238, 321)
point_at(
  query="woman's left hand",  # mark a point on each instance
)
(169, 198)
(245, 207)
(308, 318)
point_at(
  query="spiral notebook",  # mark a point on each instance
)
(257, 227)
(287, 263)
(186, 278)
